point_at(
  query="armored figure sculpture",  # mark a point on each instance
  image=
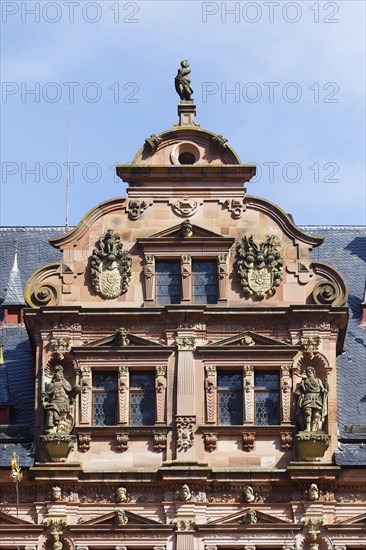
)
(311, 395)
(183, 82)
(59, 397)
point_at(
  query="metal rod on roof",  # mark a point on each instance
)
(67, 169)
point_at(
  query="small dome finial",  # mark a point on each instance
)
(15, 263)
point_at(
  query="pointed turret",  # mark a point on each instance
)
(14, 298)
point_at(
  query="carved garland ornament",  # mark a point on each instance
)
(110, 266)
(259, 266)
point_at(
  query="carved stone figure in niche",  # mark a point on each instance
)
(313, 492)
(311, 395)
(248, 494)
(183, 82)
(59, 397)
(110, 266)
(186, 229)
(56, 493)
(260, 266)
(121, 494)
(185, 493)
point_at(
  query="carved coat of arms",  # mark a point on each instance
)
(260, 266)
(110, 266)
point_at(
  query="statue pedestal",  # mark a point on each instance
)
(311, 446)
(187, 113)
(58, 446)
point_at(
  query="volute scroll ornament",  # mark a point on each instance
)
(259, 266)
(110, 266)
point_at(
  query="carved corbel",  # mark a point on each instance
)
(210, 391)
(160, 441)
(122, 441)
(211, 442)
(287, 440)
(84, 440)
(186, 275)
(55, 524)
(149, 274)
(136, 208)
(85, 394)
(160, 387)
(235, 206)
(60, 346)
(186, 343)
(123, 392)
(222, 266)
(152, 143)
(248, 441)
(248, 375)
(286, 386)
(310, 345)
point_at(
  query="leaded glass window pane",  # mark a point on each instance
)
(204, 281)
(167, 282)
(267, 401)
(142, 398)
(230, 397)
(104, 399)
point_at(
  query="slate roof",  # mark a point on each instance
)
(344, 248)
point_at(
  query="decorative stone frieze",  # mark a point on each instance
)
(248, 441)
(84, 440)
(259, 266)
(211, 442)
(110, 266)
(60, 346)
(248, 373)
(122, 442)
(184, 426)
(186, 343)
(287, 440)
(160, 441)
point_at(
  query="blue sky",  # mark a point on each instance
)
(296, 70)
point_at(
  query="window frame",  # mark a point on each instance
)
(98, 391)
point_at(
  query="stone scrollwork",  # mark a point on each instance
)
(85, 384)
(84, 440)
(122, 442)
(211, 442)
(248, 374)
(160, 441)
(235, 206)
(184, 427)
(152, 143)
(110, 266)
(259, 266)
(286, 386)
(136, 208)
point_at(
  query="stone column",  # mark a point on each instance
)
(186, 275)
(211, 394)
(286, 385)
(248, 382)
(149, 273)
(160, 386)
(123, 395)
(85, 395)
(185, 417)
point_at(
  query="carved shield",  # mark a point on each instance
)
(110, 282)
(260, 281)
